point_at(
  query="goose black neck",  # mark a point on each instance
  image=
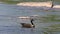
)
(32, 21)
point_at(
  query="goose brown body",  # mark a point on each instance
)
(26, 25)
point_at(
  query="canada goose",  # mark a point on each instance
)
(26, 25)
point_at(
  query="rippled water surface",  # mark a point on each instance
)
(10, 23)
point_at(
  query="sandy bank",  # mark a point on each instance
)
(47, 4)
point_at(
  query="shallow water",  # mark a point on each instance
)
(10, 23)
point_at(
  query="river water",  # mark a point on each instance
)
(10, 23)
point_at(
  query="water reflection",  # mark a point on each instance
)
(52, 29)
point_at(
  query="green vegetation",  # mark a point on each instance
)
(27, 0)
(18, 1)
(10, 1)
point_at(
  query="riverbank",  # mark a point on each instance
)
(47, 4)
(42, 5)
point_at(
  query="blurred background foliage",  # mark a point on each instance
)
(18, 1)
